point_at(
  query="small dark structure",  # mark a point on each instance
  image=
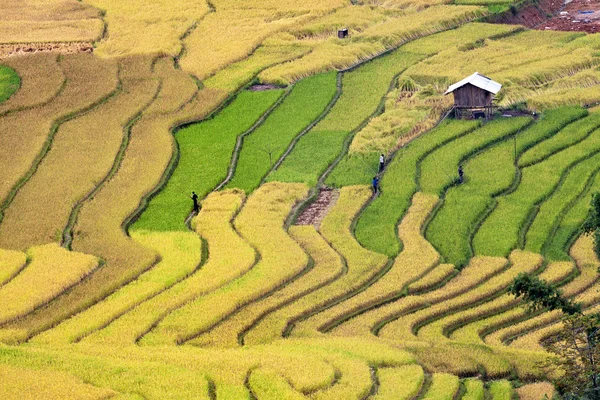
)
(474, 96)
(342, 33)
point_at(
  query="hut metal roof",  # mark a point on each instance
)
(478, 80)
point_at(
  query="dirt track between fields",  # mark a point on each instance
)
(577, 15)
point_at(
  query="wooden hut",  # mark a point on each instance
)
(343, 33)
(473, 96)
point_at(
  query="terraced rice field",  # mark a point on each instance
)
(113, 287)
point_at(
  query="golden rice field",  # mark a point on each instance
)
(294, 280)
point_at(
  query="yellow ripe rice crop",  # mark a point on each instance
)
(401, 383)
(470, 333)
(237, 74)
(84, 30)
(501, 390)
(99, 223)
(136, 26)
(176, 90)
(520, 262)
(327, 266)
(52, 270)
(536, 391)
(216, 43)
(443, 387)
(180, 256)
(433, 278)
(583, 253)
(35, 88)
(474, 389)
(362, 264)
(417, 258)
(478, 270)
(270, 385)
(229, 257)
(46, 10)
(260, 223)
(355, 19)
(24, 133)
(31, 384)
(466, 35)
(334, 53)
(11, 263)
(228, 333)
(83, 152)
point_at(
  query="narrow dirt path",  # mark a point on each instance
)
(316, 211)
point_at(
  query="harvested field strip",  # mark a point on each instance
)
(443, 387)
(327, 268)
(35, 89)
(473, 389)
(83, 152)
(408, 327)
(308, 99)
(229, 257)
(21, 382)
(234, 330)
(417, 258)
(363, 265)
(52, 270)
(536, 184)
(260, 223)
(471, 320)
(11, 263)
(10, 82)
(537, 390)
(180, 254)
(197, 171)
(569, 135)
(489, 172)
(376, 226)
(99, 228)
(402, 383)
(27, 135)
(83, 30)
(470, 276)
(548, 216)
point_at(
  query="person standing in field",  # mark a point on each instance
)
(194, 198)
(460, 174)
(381, 163)
(375, 184)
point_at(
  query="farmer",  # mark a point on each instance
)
(381, 162)
(194, 198)
(460, 174)
(375, 184)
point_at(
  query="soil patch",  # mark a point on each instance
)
(15, 49)
(263, 87)
(576, 15)
(557, 15)
(317, 210)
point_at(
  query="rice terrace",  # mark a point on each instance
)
(317, 199)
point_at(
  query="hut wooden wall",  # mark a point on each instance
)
(472, 96)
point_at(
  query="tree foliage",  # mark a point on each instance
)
(592, 223)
